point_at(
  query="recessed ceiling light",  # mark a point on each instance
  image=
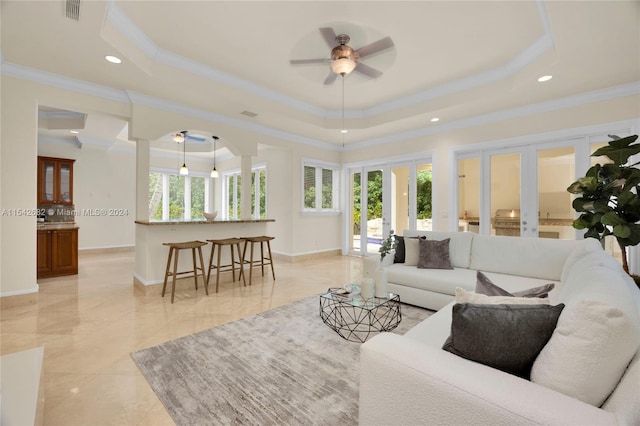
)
(434, 119)
(344, 131)
(545, 78)
(75, 132)
(113, 59)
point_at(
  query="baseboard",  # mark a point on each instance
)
(12, 299)
(108, 249)
(293, 258)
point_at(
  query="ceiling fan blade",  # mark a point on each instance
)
(309, 61)
(367, 70)
(330, 78)
(375, 47)
(329, 36)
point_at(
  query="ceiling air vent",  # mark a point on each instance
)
(249, 114)
(72, 9)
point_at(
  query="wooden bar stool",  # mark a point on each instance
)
(218, 244)
(264, 260)
(175, 248)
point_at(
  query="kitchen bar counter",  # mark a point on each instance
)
(151, 254)
(200, 221)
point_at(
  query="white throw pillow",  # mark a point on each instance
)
(588, 352)
(463, 296)
(411, 251)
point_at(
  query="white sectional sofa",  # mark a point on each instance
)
(411, 380)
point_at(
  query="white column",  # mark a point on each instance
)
(245, 187)
(142, 179)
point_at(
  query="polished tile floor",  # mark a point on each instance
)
(90, 323)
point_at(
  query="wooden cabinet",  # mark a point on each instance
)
(57, 252)
(55, 181)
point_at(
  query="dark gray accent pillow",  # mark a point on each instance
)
(399, 256)
(434, 254)
(488, 288)
(506, 337)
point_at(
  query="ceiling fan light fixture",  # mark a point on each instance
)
(180, 137)
(343, 66)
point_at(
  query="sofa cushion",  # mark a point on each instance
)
(459, 244)
(527, 257)
(400, 252)
(588, 352)
(506, 337)
(411, 252)
(445, 281)
(434, 254)
(463, 296)
(583, 248)
(590, 280)
(485, 286)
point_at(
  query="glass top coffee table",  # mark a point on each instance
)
(355, 318)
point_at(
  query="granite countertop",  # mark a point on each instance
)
(44, 226)
(199, 222)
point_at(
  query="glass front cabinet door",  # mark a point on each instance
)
(55, 180)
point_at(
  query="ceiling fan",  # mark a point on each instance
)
(344, 59)
(183, 135)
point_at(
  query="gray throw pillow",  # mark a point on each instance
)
(488, 288)
(434, 254)
(506, 337)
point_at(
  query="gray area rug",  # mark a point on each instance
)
(280, 367)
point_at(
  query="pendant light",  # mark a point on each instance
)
(182, 138)
(214, 172)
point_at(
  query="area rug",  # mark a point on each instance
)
(280, 367)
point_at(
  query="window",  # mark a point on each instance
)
(320, 187)
(233, 196)
(175, 197)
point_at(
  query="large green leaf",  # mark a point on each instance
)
(620, 150)
(622, 231)
(612, 219)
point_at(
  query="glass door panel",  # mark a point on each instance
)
(424, 213)
(556, 171)
(48, 184)
(375, 219)
(505, 194)
(469, 194)
(65, 182)
(354, 214)
(399, 199)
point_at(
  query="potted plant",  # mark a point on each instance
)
(608, 200)
(387, 245)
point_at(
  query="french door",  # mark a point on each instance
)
(387, 197)
(517, 191)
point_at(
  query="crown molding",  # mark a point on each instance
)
(624, 90)
(165, 105)
(117, 17)
(50, 79)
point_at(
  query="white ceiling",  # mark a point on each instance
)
(454, 60)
